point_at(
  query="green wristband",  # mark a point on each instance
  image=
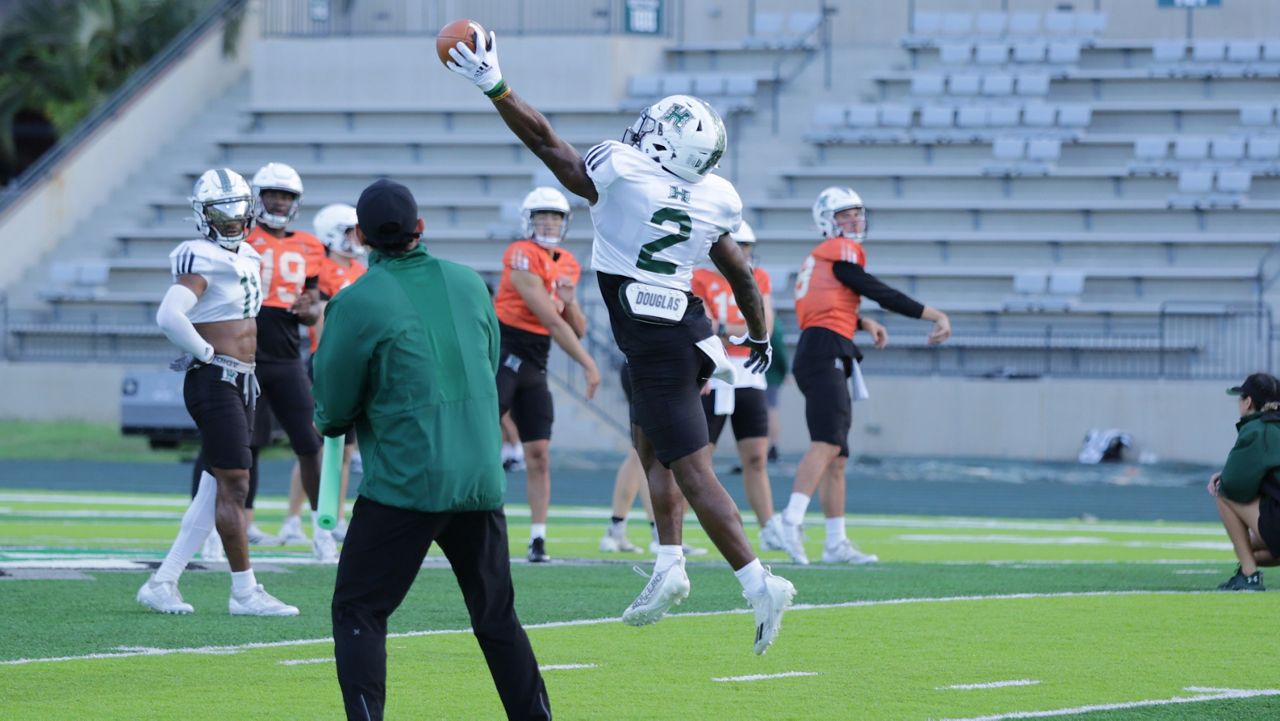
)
(497, 90)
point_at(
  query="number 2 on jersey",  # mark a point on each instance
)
(646, 261)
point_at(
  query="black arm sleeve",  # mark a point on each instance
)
(863, 283)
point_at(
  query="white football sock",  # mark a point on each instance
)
(668, 556)
(243, 582)
(796, 507)
(197, 524)
(751, 576)
(835, 530)
(537, 530)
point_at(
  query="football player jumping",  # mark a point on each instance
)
(657, 210)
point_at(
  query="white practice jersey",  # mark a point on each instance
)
(649, 224)
(234, 278)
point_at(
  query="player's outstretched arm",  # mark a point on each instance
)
(480, 66)
(733, 265)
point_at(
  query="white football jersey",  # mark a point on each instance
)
(234, 278)
(649, 224)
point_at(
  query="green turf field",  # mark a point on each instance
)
(964, 618)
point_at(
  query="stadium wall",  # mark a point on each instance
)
(45, 216)
(404, 73)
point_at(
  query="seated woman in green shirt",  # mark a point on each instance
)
(1247, 490)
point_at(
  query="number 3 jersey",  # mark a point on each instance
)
(651, 225)
(234, 291)
(290, 265)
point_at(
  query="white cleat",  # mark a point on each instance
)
(769, 606)
(792, 543)
(163, 597)
(664, 590)
(846, 552)
(291, 532)
(615, 541)
(340, 533)
(212, 549)
(258, 602)
(771, 535)
(259, 537)
(323, 546)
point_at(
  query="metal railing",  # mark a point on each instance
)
(1187, 340)
(107, 111)
(350, 18)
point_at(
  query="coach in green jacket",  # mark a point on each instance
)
(1247, 493)
(408, 357)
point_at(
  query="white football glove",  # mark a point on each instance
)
(479, 66)
(761, 352)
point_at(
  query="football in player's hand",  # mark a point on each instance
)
(462, 30)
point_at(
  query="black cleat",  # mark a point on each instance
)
(1241, 582)
(538, 551)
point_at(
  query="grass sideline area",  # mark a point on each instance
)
(965, 618)
(77, 440)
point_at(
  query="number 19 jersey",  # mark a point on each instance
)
(651, 225)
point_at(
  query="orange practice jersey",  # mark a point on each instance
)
(715, 292)
(822, 301)
(333, 278)
(549, 265)
(286, 264)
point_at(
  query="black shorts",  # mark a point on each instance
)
(1269, 523)
(823, 364)
(750, 415)
(522, 389)
(221, 402)
(666, 372)
(286, 393)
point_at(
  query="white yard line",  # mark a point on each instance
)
(566, 666)
(992, 684)
(304, 661)
(601, 513)
(600, 621)
(1062, 541)
(763, 676)
(1215, 695)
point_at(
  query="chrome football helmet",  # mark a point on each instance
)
(224, 207)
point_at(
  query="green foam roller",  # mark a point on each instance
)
(330, 483)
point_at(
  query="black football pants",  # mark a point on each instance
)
(380, 558)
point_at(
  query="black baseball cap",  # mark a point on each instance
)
(1261, 387)
(387, 213)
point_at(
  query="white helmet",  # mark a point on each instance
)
(832, 201)
(277, 176)
(545, 199)
(744, 234)
(682, 133)
(332, 224)
(224, 206)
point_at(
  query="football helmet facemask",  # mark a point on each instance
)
(224, 207)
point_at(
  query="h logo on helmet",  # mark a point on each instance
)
(678, 192)
(678, 115)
